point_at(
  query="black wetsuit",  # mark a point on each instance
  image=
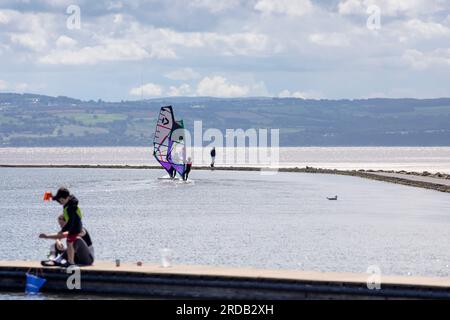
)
(187, 170)
(213, 156)
(172, 172)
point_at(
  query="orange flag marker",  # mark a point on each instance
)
(47, 196)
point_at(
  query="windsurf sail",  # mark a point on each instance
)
(169, 147)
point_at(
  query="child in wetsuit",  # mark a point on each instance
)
(72, 216)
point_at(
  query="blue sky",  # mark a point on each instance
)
(228, 48)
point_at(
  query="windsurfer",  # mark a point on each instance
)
(213, 156)
(172, 173)
(168, 144)
(187, 168)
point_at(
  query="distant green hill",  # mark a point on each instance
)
(36, 120)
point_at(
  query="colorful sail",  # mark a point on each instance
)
(168, 145)
(177, 150)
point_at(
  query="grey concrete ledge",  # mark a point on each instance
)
(203, 282)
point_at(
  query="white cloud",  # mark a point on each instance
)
(423, 60)
(127, 39)
(287, 7)
(14, 87)
(217, 86)
(3, 85)
(139, 42)
(243, 43)
(162, 52)
(214, 86)
(65, 42)
(288, 94)
(118, 18)
(268, 39)
(426, 29)
(21, 87)
(182, 74)
(110, 50)
(94, 55)
(259, 90)
(183, 90)
(114, 5)
(149, 89)
(32, 41)
(31, 31)
(58, 3)
(237, 44)
(4, 17)
(215, 5)
(330, 39)
(351, 7)
(299, 94)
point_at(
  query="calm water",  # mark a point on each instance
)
(235, 219)
(433, 159)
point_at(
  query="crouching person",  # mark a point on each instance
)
(84, 249)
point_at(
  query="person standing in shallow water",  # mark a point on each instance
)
(213, 156)
(187, 169)
(172, 173)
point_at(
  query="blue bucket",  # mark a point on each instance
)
(34, 284)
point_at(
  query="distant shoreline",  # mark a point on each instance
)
(438, 181)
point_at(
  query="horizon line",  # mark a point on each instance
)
(219, 98)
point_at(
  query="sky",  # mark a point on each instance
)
(128, 50)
